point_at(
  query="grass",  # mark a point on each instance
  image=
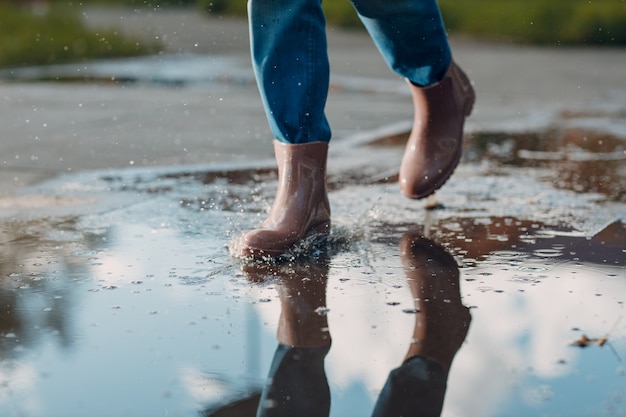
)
(57, 36)
(557, 22)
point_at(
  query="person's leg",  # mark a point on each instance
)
(290, 59)
(411, 37)
(288, 41)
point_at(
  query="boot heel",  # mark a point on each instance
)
(468, 89)
(470, 101)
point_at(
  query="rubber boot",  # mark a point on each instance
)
(301, 204)
(434, 147)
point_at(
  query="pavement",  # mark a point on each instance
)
(205, 109)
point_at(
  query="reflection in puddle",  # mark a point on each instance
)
(297, 382)
(139, 301)
(584, 161)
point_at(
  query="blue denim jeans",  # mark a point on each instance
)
(290, 58)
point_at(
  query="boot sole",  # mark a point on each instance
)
(315, 233)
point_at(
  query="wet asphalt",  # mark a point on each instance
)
(212, 112)
(120, 196)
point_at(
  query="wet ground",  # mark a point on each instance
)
(120, 298)
(124, 299)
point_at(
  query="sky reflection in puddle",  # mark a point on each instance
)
(144, 323)
(136, 308)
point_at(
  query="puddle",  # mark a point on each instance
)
(577, 159)
(165, 69)
(125, 301)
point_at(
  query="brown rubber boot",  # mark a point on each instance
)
(301, 204)
(434, 147)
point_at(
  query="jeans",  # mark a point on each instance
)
(290, 58)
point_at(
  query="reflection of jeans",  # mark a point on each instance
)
(417, 388)
(297, 387)
(288, 41)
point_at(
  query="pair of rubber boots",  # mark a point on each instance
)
(433, 151)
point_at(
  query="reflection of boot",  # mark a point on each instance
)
(442, 320)
(301, 204)
(301, 286)
(417, 387)
(296, 384)
(434, 147)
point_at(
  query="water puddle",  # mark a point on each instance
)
(577, 159)
(124, 299)
(165, 69)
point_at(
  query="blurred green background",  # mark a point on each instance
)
(39, 32)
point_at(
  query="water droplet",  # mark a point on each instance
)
(533, 268)
(548, 253)
(322, 310)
